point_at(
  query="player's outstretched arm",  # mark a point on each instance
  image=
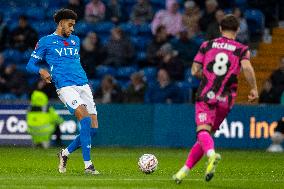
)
(250, 77)
(196, 70)
(33, 67)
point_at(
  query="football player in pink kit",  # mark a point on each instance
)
(218, 64)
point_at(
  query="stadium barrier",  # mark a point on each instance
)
(248, 127)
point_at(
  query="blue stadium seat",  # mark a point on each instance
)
(82, 28)
(140, 42)
(12, 55)
(185, 90)
(255, 20)
(8, 96)
(26, 55)
(104, 38)
(193, 81)
(95, 84)
(35, 13)
(13, 13)
(150, 73)
(242, 4)
(101, 71)
(125, 72)
(44, 28)
(123, 83)
(141, 55)
(103, 27)
(145, 30)
(129, 28)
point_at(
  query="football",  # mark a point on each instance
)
(148, 163)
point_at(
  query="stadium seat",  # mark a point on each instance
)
(82, 28)
(26, 55)
(50, 12)
(141, 56)
(242, 4)
(8, 96)
(12, 55)
(129, 28)
(95, 84)
(103, 27)
(145, 30)
(123, 83)
(44, 28)
(101, 71)
(125, 72)
(255, 19)
(185, 90)
(35, 13)
(149, 73)
(193, 81)
(140, 43)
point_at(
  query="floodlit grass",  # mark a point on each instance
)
(37, 168)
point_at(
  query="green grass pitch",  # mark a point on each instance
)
(37, 168)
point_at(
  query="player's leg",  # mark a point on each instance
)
(87, 97)
(71, 98)
(194, 156)
(83, 116)
(222, 110)
(203, 115)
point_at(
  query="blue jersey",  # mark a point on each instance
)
(63, 58)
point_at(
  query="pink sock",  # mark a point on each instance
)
(194, 155)
(206, 141)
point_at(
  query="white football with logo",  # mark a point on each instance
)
(148, 163)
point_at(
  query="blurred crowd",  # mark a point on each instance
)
(150, 65)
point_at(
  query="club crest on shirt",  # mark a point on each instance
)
(65, 43)
(73, 42)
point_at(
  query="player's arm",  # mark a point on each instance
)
(36, 57)
(196, 70)
(250, 77)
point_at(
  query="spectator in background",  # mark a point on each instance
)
(119, 51)
(243, 35)
(4, 34)
(274, 86)
(91, 55)
(209, 14)
(141, 12)
(48, 89)
(163, 91)
(23, 36)
(14, 80)
(186, 48)
(213, 30)
(95, 11)
(78, 7)
(170, 18)
(2, 69)
(160, 38)
(114, 12)
(191, 17)
(136, 91)
(109, 92)
(171, 62)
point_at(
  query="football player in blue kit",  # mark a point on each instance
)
(61, 52)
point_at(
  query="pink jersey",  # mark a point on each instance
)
(221, 64)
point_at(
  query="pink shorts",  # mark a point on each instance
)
(211, 114)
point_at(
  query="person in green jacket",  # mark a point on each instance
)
(42, 119)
